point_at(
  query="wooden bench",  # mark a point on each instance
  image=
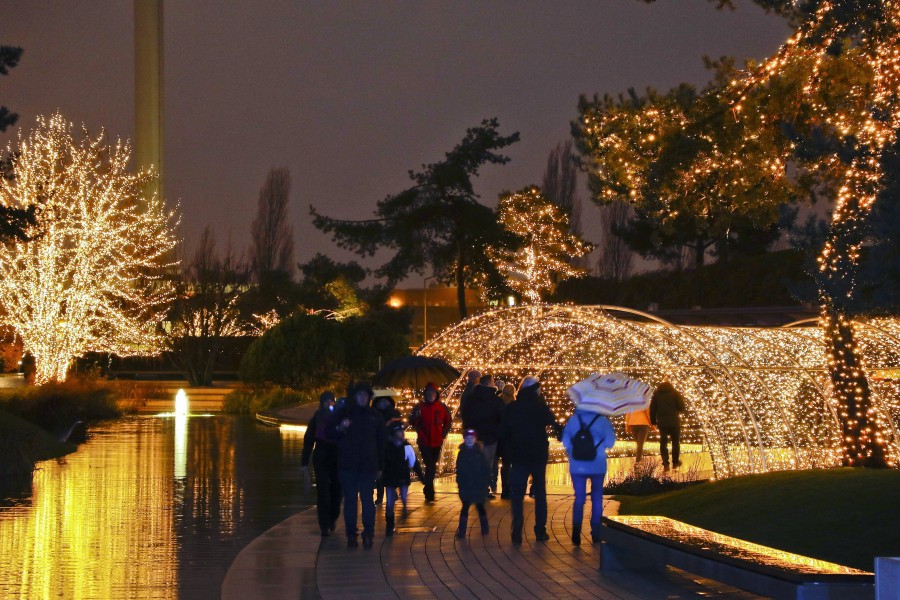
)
(639, 542)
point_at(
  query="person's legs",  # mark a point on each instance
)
(430, 457)
(495, 472)
(664, 446)
(640, 433)
(518, 481)
(350, 485)
(336, 496)
(482, 518)
(323, 494)
(404, 492)
(366, 492)
(676, 446)
(596, 505)
(391, 495)
(539, 487)
(579, 485)
(463, 519)
(504, 478)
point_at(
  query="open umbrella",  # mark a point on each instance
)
(611, 394)
(409, 371)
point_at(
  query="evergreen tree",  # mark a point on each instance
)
(438, 222)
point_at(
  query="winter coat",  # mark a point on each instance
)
(666, 406)
(320, 439)
(464, 397)
(432, 421)
(604, 438)
(483, 413)
(398, 460)
(361, 446)
(524, 428)
(473, 475)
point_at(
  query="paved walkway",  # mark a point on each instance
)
(424, 560)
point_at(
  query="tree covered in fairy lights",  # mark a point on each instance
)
(548, 247)
(832, 94)
(88, 279)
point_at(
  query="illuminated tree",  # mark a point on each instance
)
(438, 222)
(548, 247)
(89, 279)
(833, 90)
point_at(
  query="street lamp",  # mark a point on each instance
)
(425, 308)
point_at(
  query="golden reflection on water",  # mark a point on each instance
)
(103, 522)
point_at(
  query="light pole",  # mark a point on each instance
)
(425, 308)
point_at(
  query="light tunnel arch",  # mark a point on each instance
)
(757, 397)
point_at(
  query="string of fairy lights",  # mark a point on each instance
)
(847, 58)
(90, 279)
(548, 247)
(758, 398)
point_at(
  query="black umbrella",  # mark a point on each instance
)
(408, 371)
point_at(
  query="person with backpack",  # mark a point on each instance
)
(586, 437)
(320, 442)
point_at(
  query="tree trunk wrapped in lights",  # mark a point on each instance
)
(89, 280)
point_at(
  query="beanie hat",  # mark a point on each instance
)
(470, 432)
(529, 382)
(326, 397)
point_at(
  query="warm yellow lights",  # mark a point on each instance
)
(758, 398)
(90, 278)
(181, 404)
(395, 302)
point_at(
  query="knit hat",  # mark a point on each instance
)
(470, 432)
(326, 397)
(529, 382)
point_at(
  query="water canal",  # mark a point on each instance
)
(148, 507)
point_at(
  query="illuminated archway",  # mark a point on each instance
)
(757, 397)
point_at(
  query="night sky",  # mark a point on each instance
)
(350, 95)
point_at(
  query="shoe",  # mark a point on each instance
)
(596, 539)
(517, 538)
(665, 466)
(504, 496)
(541, 536)
(379, 501)
(460, 533)
(677, 463)
(389, 526)
(367, 541)
(333, 526)
(576, 536)
(352, 542)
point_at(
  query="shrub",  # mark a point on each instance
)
(251, 400)
(643, 481)
(55, 406)
(303, 351)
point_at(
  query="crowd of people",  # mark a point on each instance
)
(358, 449)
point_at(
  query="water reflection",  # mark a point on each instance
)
(149, 507)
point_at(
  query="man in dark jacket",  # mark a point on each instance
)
(320, 441)
(483, 413)
(360, 459)
(666, 407)
(524, 434)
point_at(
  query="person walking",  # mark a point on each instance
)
(524, 431)
(360, 458)
(472, 475)
(432, 420)
(638, 424)
(500, 472)
(399, 458)
(390, 415)
(586, 437)
(483, 413)
(666, 407)
(321, 442)
(472, 379)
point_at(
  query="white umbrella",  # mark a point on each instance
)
(611, 394)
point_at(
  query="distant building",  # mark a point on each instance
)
(437, 306)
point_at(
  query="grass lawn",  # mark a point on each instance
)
(845, 516)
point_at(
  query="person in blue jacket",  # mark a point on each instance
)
(587, 428)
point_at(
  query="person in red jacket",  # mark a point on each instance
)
(432, 420)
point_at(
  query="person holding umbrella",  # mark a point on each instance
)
(587, 436)
(432, 420)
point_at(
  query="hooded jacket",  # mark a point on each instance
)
(432, 421)
(524, 428)
(472, 474)
(361, 445)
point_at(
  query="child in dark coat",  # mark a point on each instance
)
(399, 458)
(473, 475)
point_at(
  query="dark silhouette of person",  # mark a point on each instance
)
(320, 441)
(666, 407)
